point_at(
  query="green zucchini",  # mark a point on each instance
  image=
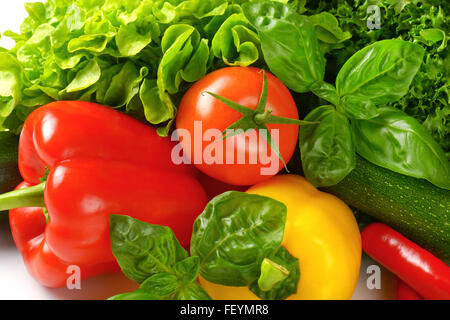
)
(9, 171)
(413, 207)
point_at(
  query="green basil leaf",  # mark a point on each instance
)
(235, 43)
(357, 108)
(187, 269)
(327, 149)
(398, 142)
(288, 286)
(142, 249)
(235, 232)
(192, 291)
(325, 91)
(380, 72)
(289, 44)
(161, 285)
(136, 295)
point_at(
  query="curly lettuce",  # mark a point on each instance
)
(137, 56)
(424, 22)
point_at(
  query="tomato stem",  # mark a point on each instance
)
(262, 118)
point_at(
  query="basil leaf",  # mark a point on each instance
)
(357, 108)
(325, 91)
(288, 286)
(191, 292)
(187, 269)
(381, 72)
(161, 285)
(327, 149)
(288, 42)
(136, 295)
(398, 142)
(142, 249)
(235, 232)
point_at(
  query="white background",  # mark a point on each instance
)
(15, 283)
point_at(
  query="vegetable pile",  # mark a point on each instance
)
(133, 114)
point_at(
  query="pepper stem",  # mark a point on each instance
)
(271, 274)
(22, 198)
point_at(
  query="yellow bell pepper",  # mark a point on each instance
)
(321, 231)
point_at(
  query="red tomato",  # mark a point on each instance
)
(243, 86)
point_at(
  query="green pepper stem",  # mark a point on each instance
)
(26, 197)
(271, 274)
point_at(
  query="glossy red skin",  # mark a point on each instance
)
(92, 175)
(244, 86)
(418, 268)
(404, 292)
(215, 187)
(27, 227)
(80, 195)
(71, 129)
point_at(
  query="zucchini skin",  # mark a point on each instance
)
(414, 207)
(9, 171)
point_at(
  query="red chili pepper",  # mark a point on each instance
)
(100, 162)
(405, 292)
(417, 267)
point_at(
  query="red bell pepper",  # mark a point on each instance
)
(100, 162)
(422, 271)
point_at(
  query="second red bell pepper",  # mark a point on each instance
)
(100, 162)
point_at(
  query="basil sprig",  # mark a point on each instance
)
(152, 256)
(236, 241)
(356, 121)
